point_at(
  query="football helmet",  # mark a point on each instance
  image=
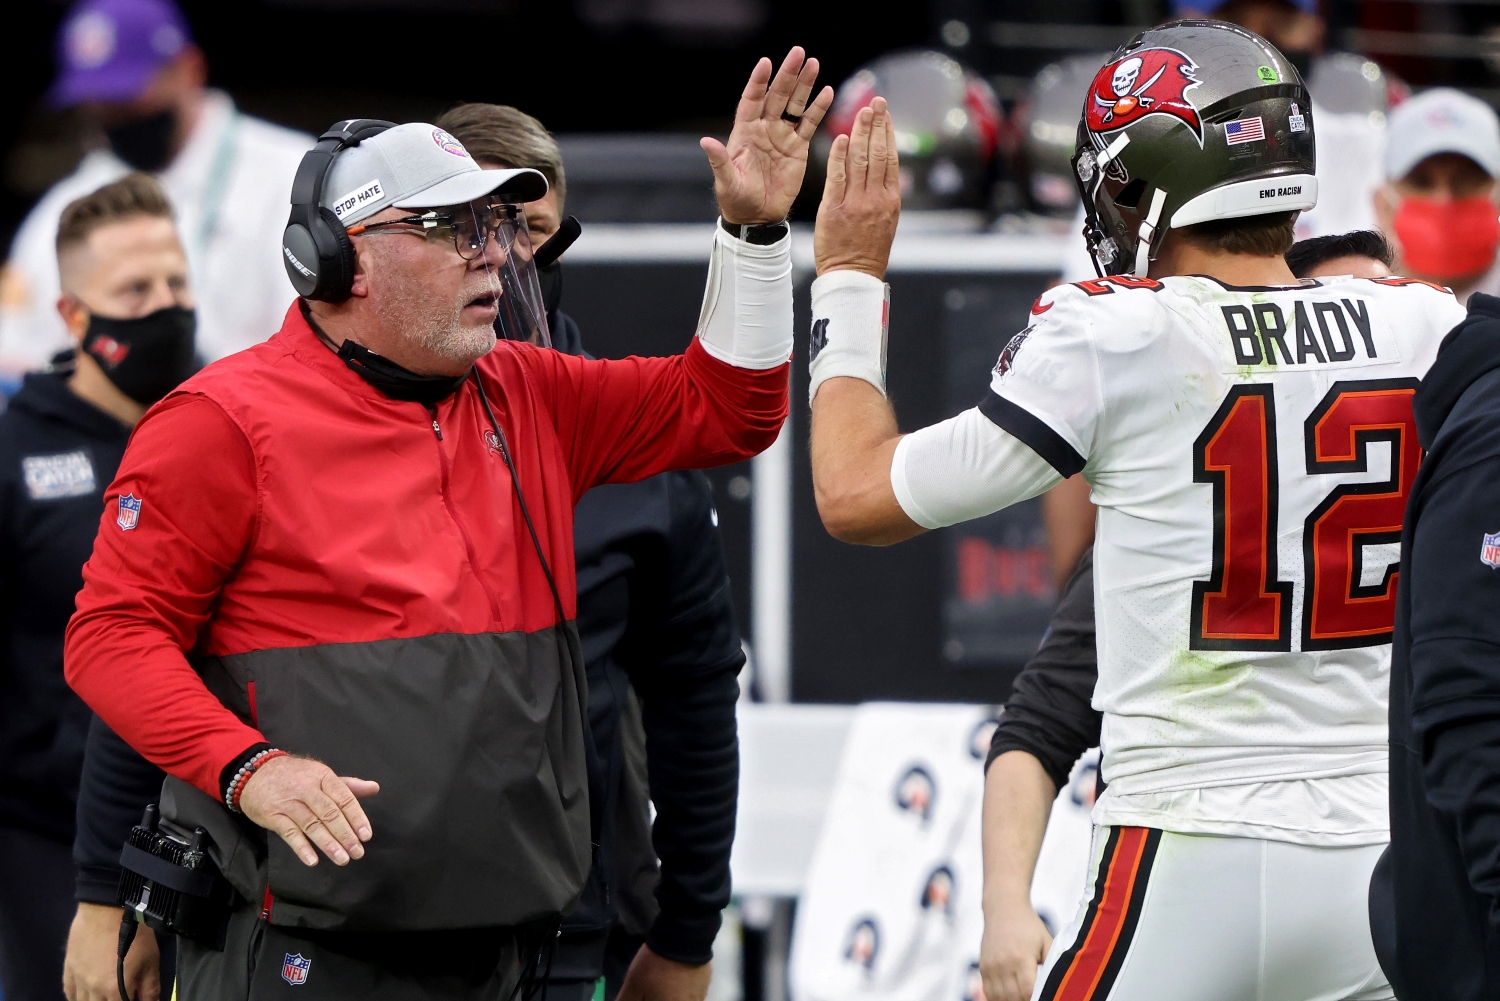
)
(1190, 122)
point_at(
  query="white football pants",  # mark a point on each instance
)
(1191, 917)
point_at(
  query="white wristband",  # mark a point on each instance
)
(850, 312)
(747, 306)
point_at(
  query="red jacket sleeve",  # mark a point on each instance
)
(148, 590)
(622, 421)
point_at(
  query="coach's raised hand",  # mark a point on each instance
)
(861, 198)
(758, 174)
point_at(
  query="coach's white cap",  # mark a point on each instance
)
(1441, 120)
(417, 166)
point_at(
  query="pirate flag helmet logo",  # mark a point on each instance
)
(1146, 82)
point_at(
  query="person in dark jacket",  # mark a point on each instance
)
(1435, 895)
(657, 625)
(126, 301)
(1049, 720)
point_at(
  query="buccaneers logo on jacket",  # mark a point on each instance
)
(1146, 82)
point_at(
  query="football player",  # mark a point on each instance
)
(1249, 441)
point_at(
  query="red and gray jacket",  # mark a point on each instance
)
(289, 556)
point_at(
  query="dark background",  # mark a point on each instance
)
(309, 63)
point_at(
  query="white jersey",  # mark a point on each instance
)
(1250, 452)
(230, 188)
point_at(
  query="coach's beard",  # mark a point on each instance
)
(406, 305)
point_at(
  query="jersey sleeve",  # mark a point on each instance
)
(964, 468)
(1046, 388)
(151, 585)
(624, 420)
(1035, 427)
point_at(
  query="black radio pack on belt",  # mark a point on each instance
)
(172, 885)
(318, 254)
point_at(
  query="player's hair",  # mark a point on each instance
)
(1258, 235)
(501, 134)
(1308, 254)
(130, 197)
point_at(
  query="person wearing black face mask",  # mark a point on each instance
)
(139, 83)
(127, 304)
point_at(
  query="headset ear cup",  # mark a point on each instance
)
(340, 264)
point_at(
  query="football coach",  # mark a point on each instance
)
(332, 593)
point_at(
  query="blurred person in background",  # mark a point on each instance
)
(1049, 721)
(1440, 203)
(127, 305)
(660, 648)
(132, 67)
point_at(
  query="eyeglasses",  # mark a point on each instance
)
(469, 227)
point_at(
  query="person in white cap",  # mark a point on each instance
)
(132, 67)
(1440, 205)
(339, 565)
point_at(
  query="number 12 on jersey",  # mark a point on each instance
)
(1243, 605)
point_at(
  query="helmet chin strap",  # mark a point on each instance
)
(1148, 232)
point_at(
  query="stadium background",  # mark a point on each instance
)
(628, 86)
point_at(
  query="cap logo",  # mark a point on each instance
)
(1445, 118)
(371, 192)
(448, 144)
(91, 40)
(1147, 82)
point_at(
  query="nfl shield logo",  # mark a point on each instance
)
(130, 512)
(1489, 553)
(294, 968)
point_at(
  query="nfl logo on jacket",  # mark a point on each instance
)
(294, 968)
(130, 512)
(1489, 551)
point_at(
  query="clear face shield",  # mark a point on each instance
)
(510, 264)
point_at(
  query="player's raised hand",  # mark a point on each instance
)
(758, 174)
(861, 198)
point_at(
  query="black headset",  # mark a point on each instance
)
(317, 252)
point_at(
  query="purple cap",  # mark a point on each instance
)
(1208, 7)
(108, 50)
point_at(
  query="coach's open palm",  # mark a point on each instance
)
(758, 174)
(862, 197)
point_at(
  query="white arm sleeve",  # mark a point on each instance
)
(964, 468)
(747, 307)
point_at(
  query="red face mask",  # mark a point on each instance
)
(1447, 240)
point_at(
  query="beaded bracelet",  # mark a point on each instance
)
(242, 777)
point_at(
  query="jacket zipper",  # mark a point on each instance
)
(462, 528)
